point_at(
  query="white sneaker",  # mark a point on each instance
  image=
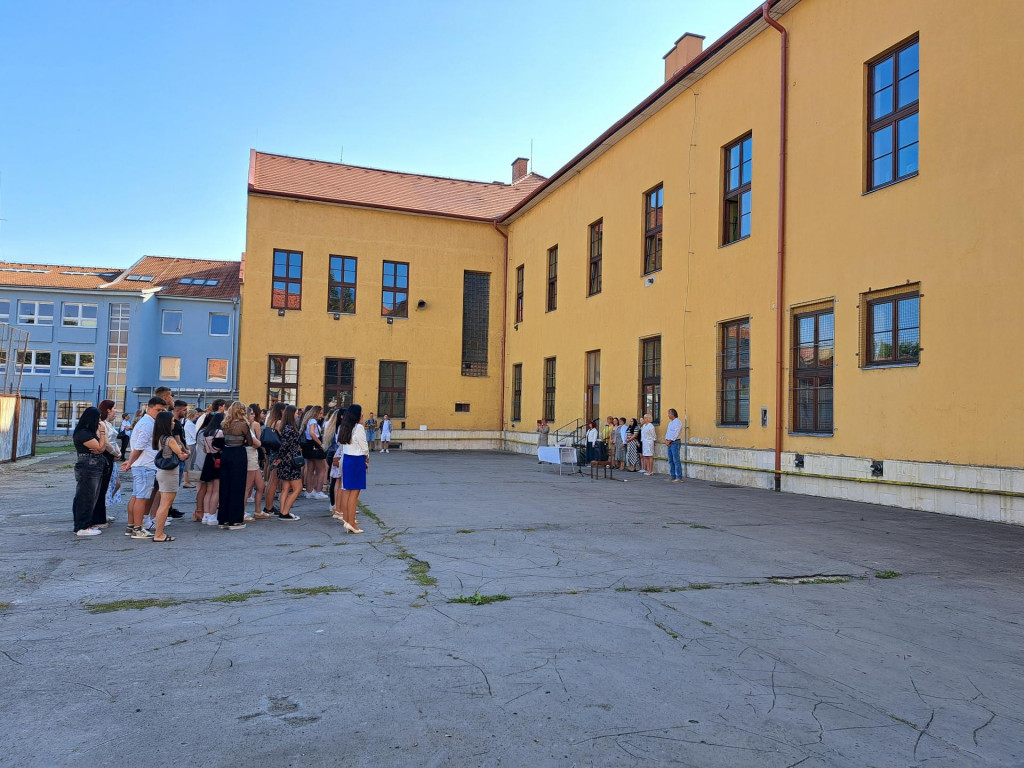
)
(382, 450)
(321, 495)
(209, 520)
(307, 494)
(148, 523)
(88, 532)
(387, 451)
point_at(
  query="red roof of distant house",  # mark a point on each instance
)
(195, 278)
(56, 276)
(369, 187)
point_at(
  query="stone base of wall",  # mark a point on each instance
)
(953, 489)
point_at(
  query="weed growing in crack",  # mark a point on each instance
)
(465, 530)
(477, 599)
(702, 586)
(651, 589)
(309, 591)
(131, 605)
(237, 597)
(705, 623)
(5, 606)
(887, 574)
(810, 580)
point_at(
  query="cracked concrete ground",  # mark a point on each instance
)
(643, 627)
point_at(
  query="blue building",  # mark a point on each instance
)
(101, 333)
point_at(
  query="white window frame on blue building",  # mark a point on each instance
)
(79, 368)
(227, 319)
(79, 314)
(30, 363)
(163, 321)
(35, 316)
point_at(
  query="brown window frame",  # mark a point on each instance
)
(550, 387)
(286, 280)
(650, 377)
(895, 118)
(389, 407)
(592, 386)
(552, 296)
(283, 386)
(733, 195)
(335, 386)
(401, 308)
(520, 286)
(654, 216)
(733, 370)
(894, 332)
(343, 284)
(517, 392)
(819, 377)
(596, 251)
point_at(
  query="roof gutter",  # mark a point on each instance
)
(781, 262)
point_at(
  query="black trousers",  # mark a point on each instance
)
(88, 477)
(233, 466)
(99, 512)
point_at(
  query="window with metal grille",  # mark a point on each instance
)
(596, 250)
(391, 389)
(286, 292)
(813, 354)
(395, 290)
(282, 379)
(341, 285)
(736, 205)
(339, 381)
(654, 207)
(549, 389)
(734, 373)
(476, 317)
(519, 292)
(893, 89)
(650, 377)
(117, 352)
(462, 407)
(891, 326)
(552, 278)
(517, 392)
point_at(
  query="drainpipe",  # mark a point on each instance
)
(504, 320)
(780, 268)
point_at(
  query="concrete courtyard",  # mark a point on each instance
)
(696, 624)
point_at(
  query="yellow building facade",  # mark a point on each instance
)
(645, 274)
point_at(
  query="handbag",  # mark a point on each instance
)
(166, 462)
(269, 439)
(298, 461)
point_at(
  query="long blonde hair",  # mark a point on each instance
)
(236, 412)
(313, 412)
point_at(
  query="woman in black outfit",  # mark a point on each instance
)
(234, 467)
(90, 444)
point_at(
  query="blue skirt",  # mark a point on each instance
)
(353, 473)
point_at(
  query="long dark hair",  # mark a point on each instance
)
(105, 408)
(164, 427)
(275, 413)
(288, 417)
(213, 423)
(348, 422)
(632, 425)
(89, 420)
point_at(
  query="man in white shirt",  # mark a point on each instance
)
(672, 434)
(143, 469)
(648, 437)
(385, 434)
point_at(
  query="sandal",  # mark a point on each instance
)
(166, 538)
(262, 516)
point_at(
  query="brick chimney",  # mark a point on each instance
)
(519, 169)
(687, 48)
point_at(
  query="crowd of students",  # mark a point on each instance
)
(242, 455)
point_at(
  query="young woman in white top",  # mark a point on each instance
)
(591, 441)
(190, 444)
(316, 454)
(355, 461)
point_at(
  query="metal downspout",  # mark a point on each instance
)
(780, 268)
(504, 329)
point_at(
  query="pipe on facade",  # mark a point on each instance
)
(781, 264)
(504, 320)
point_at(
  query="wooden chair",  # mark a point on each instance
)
(607, 466)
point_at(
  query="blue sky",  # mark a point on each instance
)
(126, 126)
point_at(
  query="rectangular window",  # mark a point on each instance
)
(287, 284)
(892, 116)
(76, 364)
(282, 379)
(220, 324)
(117, 351)
(391, 389)
(462, 407)
(34, 361)
(650, 377)
(339, 381)
(892, 326)
(549, 389)
(35, 312)
(5, 310)
(552, 279)
(517, 392)
(476, 316)
(341, 285)
(736, 205)
(734, 373)
(170, 368)
(217, 370)
(44, 413)
(395, 290)
(592, 391)
(69, 412)
(654, 207)
(80, 315)
(171, 321)
(596, 250)
(520, 282)
(813, 352)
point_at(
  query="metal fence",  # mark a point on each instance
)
(13, 346)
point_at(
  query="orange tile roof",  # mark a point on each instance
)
(167, 273)
(410, 192)
(56, 276)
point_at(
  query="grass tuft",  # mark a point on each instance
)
(310, 591)
(465, 530)
(887, 574)
(702, 586)
(131, 605)
(651, 589)
(5, 606)
(237, 597)
(477, 599)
